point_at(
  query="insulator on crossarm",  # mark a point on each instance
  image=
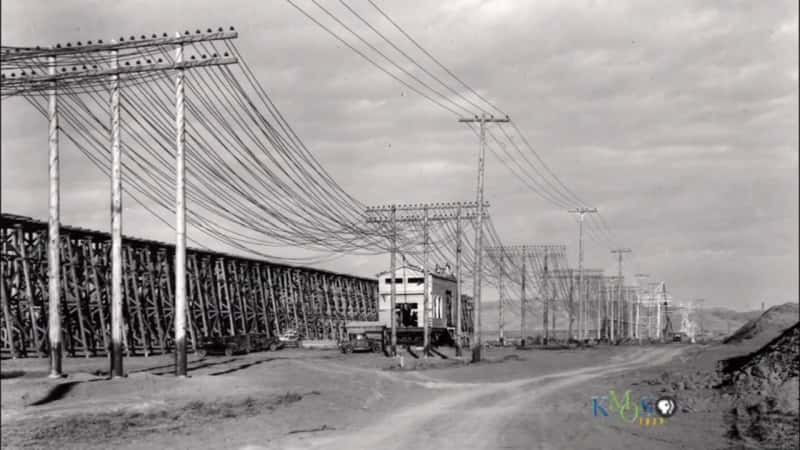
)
(69, 44)
(122, 39)
(186, 32)
(214, 55)
(219, 29)
(58, 45)
(159, 59)
(78, 43)
(197, 31)
(226, 53)
(138, 62)
(192, 57)
(163, 34)
(231, 28)
(202, 56)
(133, 38)
(127, 63)
(144, 37)
(153, 36)
(100, 41)
(209, 30)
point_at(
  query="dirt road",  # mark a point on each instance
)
(482, 415)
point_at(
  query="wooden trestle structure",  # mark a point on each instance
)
(227, 295)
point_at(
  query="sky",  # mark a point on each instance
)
(677, 120)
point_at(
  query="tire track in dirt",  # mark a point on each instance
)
(471, 415)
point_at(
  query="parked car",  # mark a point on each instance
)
(290, 338)
(360, 342)
(239, 344)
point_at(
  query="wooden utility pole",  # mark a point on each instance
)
(116, 228)
(636, 331)
(501, 299)
(476, 291)
(54, 239)
(458, 282)
(620, 252)
(393, 294)
(426, 286)
(581, 319)
(522, 303)
(546, 300)
(180, 221)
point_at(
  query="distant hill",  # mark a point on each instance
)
(767, 326)
(716, 321)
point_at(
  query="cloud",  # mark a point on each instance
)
(678, 120)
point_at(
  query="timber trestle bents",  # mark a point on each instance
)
(227, 295)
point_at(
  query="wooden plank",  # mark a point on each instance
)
(275, 312)
(76, 294)
(28, 289)
(98, 295)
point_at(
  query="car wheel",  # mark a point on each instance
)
(200, 353)
(273, 346)
(348, 349)
(228, 351)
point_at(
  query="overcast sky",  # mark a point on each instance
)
(678, 120)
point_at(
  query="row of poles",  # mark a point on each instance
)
(54, 216)
(477, 213)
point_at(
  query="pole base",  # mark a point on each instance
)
(476, 353)
(56, 375)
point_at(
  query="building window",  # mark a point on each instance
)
(416, 280)
(396, 280)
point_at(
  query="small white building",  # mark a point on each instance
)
(409, 289)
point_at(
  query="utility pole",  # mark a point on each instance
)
(424, 213)
(458, 281)
(180, 220)
(54, 239)
(116, 229)
(482, 120)
(426, 286)
(393, 295)
(522, 302)
(546, 300)
(581, 212)
(636, 331)
(619, 252)
(500, 306)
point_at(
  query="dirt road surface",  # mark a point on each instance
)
(483, 415)
(295, 399)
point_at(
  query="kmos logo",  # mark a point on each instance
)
(648, 411)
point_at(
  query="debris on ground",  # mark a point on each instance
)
(764, 387)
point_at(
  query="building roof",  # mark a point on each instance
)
(440, 275)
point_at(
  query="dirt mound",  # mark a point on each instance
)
(765, 389)
(767, 326)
